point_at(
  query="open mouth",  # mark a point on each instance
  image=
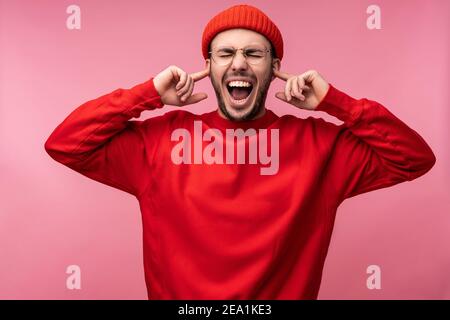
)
(239, 92)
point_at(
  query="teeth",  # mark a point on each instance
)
(239, 84)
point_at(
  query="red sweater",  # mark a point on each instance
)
(226, 231)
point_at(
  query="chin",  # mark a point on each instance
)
(239, 113)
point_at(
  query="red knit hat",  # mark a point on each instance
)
(247, 17)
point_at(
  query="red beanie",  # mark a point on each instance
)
(247, 17)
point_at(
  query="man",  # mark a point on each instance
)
(223, 219)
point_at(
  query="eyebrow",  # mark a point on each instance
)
(230, 45)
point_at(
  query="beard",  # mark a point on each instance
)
(260, 99)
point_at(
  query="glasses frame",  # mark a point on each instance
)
(234, 54)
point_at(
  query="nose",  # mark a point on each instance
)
(239, 62)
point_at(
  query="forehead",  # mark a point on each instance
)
(239, 38)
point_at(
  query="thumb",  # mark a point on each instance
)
(281, 96)
(197, 97)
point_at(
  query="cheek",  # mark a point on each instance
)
(216, 74)
(266, 78)
(217, 79)
(262, 75)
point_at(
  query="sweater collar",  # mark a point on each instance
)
(214, 119)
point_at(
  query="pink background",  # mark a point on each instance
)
(52, 217)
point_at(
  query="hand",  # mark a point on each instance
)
(305, 91)
(175, 86)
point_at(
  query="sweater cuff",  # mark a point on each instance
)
(340, 105)
(151, 97)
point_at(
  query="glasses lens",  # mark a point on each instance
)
(255, 54)
(224, 55)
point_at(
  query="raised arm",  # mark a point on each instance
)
(373, 149)
(99, 140)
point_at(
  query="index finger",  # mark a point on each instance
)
(200, 75)
(282, 75)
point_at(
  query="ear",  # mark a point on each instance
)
(208, 64)
(276, 64)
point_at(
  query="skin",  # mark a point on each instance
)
(305, 91)
(261, 73)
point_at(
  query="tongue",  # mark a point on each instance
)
(239, 93)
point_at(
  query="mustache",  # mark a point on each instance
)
(240, 75)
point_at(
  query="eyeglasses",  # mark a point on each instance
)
(253, 54)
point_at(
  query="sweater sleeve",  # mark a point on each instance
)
(373, 148)
(99, 140)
